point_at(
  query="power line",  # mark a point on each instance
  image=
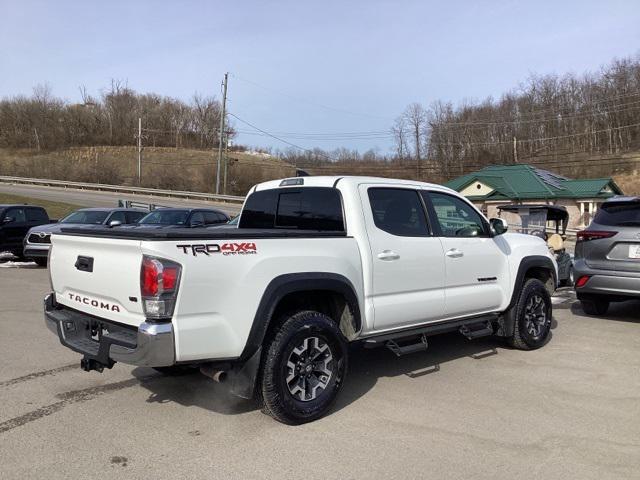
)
(278, 138)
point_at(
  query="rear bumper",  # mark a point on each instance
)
(106, 342)
(607, 282)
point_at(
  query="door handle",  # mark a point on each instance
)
(388, 255)
(454, 253)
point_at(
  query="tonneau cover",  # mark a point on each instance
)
(212, 233)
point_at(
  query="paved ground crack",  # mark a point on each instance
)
(68, 398)
(43, 373)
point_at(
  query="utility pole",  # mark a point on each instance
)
(226, 167)
(139, 150)
(515, 149)
(222, 120)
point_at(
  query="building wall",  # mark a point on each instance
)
(477, 188)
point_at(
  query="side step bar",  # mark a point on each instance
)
(477, 330)
(415, 339)
(401, 349)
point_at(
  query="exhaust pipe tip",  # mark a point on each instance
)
(214, 374)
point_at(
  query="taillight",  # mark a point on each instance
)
(582, 281)
(159, 279)
(588, 235)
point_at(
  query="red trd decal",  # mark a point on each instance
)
(238, 248)
(245, 248)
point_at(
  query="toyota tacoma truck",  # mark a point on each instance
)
(316, 264)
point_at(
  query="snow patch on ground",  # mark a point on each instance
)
(7, 260)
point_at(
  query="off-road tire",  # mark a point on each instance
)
(594, 306)
(523, 338)
(275, 392)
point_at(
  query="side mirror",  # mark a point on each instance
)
(115, 223)
(499, 225)
(196, 223)
(8, 220)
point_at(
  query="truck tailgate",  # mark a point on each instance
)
(98, 276)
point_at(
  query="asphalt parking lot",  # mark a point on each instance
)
(459, 410)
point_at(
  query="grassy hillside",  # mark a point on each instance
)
(188, 169)
(182, 169)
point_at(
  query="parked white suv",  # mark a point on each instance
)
(315, 263)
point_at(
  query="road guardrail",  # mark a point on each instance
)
(123, 189)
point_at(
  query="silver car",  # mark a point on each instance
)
(38, 240)
(607, 257)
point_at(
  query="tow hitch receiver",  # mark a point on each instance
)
(87, 364)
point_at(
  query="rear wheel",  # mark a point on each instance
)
(594, 305)
(532, 323)
(303, 369)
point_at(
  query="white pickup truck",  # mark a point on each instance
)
(315, 264)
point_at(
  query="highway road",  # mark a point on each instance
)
(90, 198)
(460, 410)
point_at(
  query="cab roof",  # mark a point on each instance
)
(339, 180)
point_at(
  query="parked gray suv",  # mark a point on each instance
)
(607, 256)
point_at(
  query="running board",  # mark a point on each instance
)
(405, 348)
(414, 339)
(477, 330)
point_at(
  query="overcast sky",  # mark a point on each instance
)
(310, 67)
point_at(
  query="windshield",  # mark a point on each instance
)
(619, 215)
(165, 217)
(528, 221)
(86, 216)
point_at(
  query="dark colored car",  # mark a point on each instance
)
(607, 259)
(38, 240)
(184, 217)
(15, 222)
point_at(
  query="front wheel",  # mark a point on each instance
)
(532, 324)
(303, 369)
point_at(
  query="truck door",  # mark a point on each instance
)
(15, 227)
(407, 260)
(476, 266)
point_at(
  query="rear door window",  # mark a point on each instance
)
(133, 217)
(213, 218)
(619, 214)
(197, 219)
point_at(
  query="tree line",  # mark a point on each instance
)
(45, 122)
(592, 113)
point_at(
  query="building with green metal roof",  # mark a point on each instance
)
(525, 184)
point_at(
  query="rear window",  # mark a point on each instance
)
(165, 217)
(619, 214)
(310, 208)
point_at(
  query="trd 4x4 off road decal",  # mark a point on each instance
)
(224, 249)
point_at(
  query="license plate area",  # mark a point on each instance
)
(634, 251)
